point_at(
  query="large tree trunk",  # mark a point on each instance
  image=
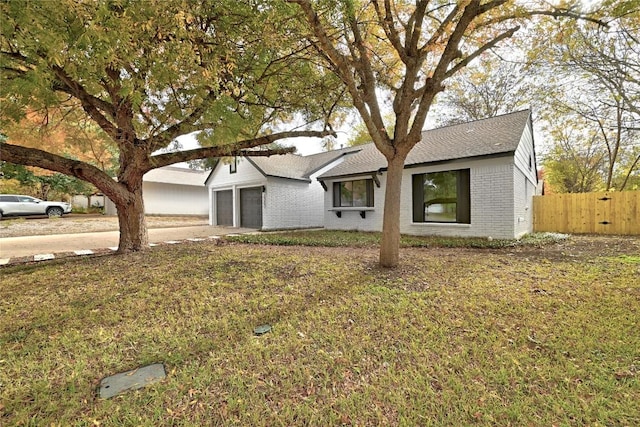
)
(133, 226)
(390, 244)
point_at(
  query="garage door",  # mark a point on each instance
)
(224, 207)
(251, 207)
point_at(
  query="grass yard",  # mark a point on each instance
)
(521, 336)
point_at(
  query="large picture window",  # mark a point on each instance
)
(442, 197)
(357, 193)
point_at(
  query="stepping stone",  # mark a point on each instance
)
(233, 235)
(83, 252)
(113, 248)
(195, 239)
(131, 380)
(152, 244)
(5, 261)
(172, 242)
(43, 257)
(214, 237)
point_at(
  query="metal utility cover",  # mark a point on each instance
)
(262, 329)
(131, 380)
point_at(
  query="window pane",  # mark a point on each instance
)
(346, 193)
(440, 196)
(357, 193)
(360, 193)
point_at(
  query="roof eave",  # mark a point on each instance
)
(288, 177)
(422, 164)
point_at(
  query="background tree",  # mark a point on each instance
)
(148, 72)
(592, 80)
(575, 162)
(64, 132)
(486, 88)
(402, 53)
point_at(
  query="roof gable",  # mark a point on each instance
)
(492, 136)
(294, 166)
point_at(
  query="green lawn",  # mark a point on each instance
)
(453, 337)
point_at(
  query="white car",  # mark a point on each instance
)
(18, 205)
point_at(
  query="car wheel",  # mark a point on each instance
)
(54, 212)
(0, 214)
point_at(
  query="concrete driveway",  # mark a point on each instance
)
(14, 247)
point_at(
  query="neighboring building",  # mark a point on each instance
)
(473, 179)
(80, 201)
(172, 190)
(270, 193)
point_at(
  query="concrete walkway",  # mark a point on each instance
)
(19, 247)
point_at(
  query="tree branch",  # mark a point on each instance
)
(33, 157)
(343, 68)
(90, 104)
(240, 148)
(507, 34)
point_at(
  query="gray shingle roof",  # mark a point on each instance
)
(294, 166)
(491, 136)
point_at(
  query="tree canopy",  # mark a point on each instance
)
(591, 90)
(147, 72)
(401, 54)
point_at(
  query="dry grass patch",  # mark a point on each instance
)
(454, 337)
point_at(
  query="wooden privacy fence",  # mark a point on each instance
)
(599, 213)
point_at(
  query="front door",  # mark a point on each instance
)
(251, 207)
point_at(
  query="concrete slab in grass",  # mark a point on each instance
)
(43, 257)
(4, 261)
(131, 380)
(83, 252)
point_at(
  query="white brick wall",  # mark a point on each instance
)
(286, 203)
(292, 204)
(492, 204)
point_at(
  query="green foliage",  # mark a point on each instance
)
(360, 133)
(631, 259)
(359, 239)
(228, 69)
(41, 185)
(18, 172)
(574, 166)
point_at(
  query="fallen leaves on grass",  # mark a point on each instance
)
(452, 337)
